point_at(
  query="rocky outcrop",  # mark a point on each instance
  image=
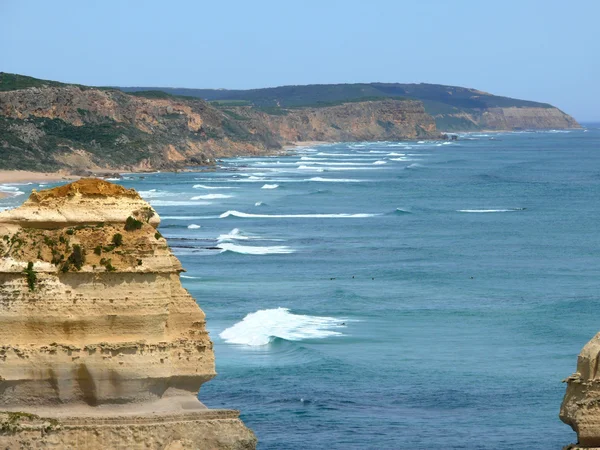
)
(100, 345)
(506, 119)
(581, 405)
(355, 121)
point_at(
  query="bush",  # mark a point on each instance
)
(31, 276)
(157, 235)
(117, 239)
(98, 250)
(132, 224)
(77, 258)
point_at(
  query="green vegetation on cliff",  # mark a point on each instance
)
(12, 81)
(312, 95)
(454, 108)
(47, 125)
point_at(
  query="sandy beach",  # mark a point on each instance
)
(24, 176)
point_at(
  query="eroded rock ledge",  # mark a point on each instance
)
(100, 344)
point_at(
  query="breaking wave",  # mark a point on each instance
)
(270, 186)
(202, 186)
(193, 226)
(490, 210)
(295, 216)
(210, 196)
(335, 180)
(263, 326)
(251, 250)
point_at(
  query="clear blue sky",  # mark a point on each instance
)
(544, 50)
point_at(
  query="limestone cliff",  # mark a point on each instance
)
(454, 108)
(48, 126)
(581, 405)
(354, 121)
(100, 345)
(506, 118)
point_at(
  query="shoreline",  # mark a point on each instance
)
(25, 176)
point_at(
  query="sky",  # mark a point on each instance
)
(542, 50)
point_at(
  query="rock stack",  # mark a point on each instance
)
(581, 405)
(100, 345)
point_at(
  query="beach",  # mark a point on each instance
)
(24, 176)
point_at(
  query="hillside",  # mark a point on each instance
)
(46, 126)
(454, 108)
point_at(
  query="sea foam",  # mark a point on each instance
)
(210, 197)
(251, 250)
(261, 327)
(294, 216)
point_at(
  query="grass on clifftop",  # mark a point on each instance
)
(12, 82)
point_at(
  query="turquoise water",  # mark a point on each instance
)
(435, 294)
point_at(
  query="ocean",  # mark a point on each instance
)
(385, 295)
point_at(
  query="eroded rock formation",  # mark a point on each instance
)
(581, 405)
(100, 345)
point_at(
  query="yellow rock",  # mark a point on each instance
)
(97, 335)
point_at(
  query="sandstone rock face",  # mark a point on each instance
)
(506, 119)
(360, 121)
(581, 405)
(78, 128)
(99, 342)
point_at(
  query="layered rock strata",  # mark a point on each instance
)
(81, 129)
(100, 345)
(581, 405)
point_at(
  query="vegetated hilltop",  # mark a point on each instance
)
(47, 125)
(454, 108)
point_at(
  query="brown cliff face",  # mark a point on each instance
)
(50, 128)
(506, 119)
(95, 324)
(364, 121)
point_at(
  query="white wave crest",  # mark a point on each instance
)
(193, 226)
(234, 234)
(295, 216)
(270, 186)
(335, 180)
(210, 197)
(258, 204)
(153, 193)
(379, 163)
(251, 250)
(261, 327)
(489, 210)
(203, 186)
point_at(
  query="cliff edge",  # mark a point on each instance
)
(101, 345)
(49, 126)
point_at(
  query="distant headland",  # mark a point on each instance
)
(48, 126)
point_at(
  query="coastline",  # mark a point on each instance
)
(295, 145)
(22, 176)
